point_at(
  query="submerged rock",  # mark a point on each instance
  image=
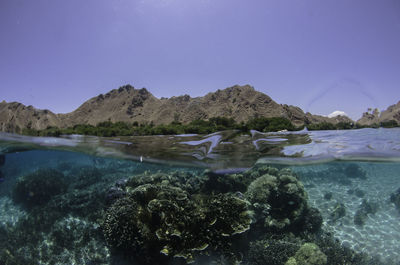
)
(395, 198)
(2, 159)
(338, 212)
(367, 207)
(328, 196)
(359, 193)
(355, 171)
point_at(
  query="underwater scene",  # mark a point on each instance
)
(290, 198)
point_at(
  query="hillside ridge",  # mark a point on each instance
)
(128, 104)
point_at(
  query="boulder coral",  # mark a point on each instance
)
(279, 201)
(308, 254)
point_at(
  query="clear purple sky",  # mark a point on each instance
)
(319, 55)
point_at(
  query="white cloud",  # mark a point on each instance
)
(337, 113)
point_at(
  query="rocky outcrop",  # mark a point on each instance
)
(15, 116)
(371, 117)
(128, 104)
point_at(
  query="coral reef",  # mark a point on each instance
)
(100, 215)
(159, 217)
(159, 222)
(87, 203)
(236, 182)
(224, 183)
(85, 196)
(308, 254)
(39, 187)
(185, 180)
(336, 253)
(272, 251)
(311, 222)
(61, 226)
(279, 201)
(30, 242)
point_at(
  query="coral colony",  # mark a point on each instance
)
(259, 216)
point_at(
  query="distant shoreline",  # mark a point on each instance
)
(130, 111)
(262, 124)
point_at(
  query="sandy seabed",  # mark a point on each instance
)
(380, 235)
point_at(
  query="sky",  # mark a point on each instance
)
(323, 56)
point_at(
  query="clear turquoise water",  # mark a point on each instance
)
(216, 199)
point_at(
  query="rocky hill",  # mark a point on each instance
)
(392, 113)
(129, 104)
(15, 116)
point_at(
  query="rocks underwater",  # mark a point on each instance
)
(90, 215)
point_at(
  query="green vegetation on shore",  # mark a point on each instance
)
(262, 124)
(348, 125)
(215, 124)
